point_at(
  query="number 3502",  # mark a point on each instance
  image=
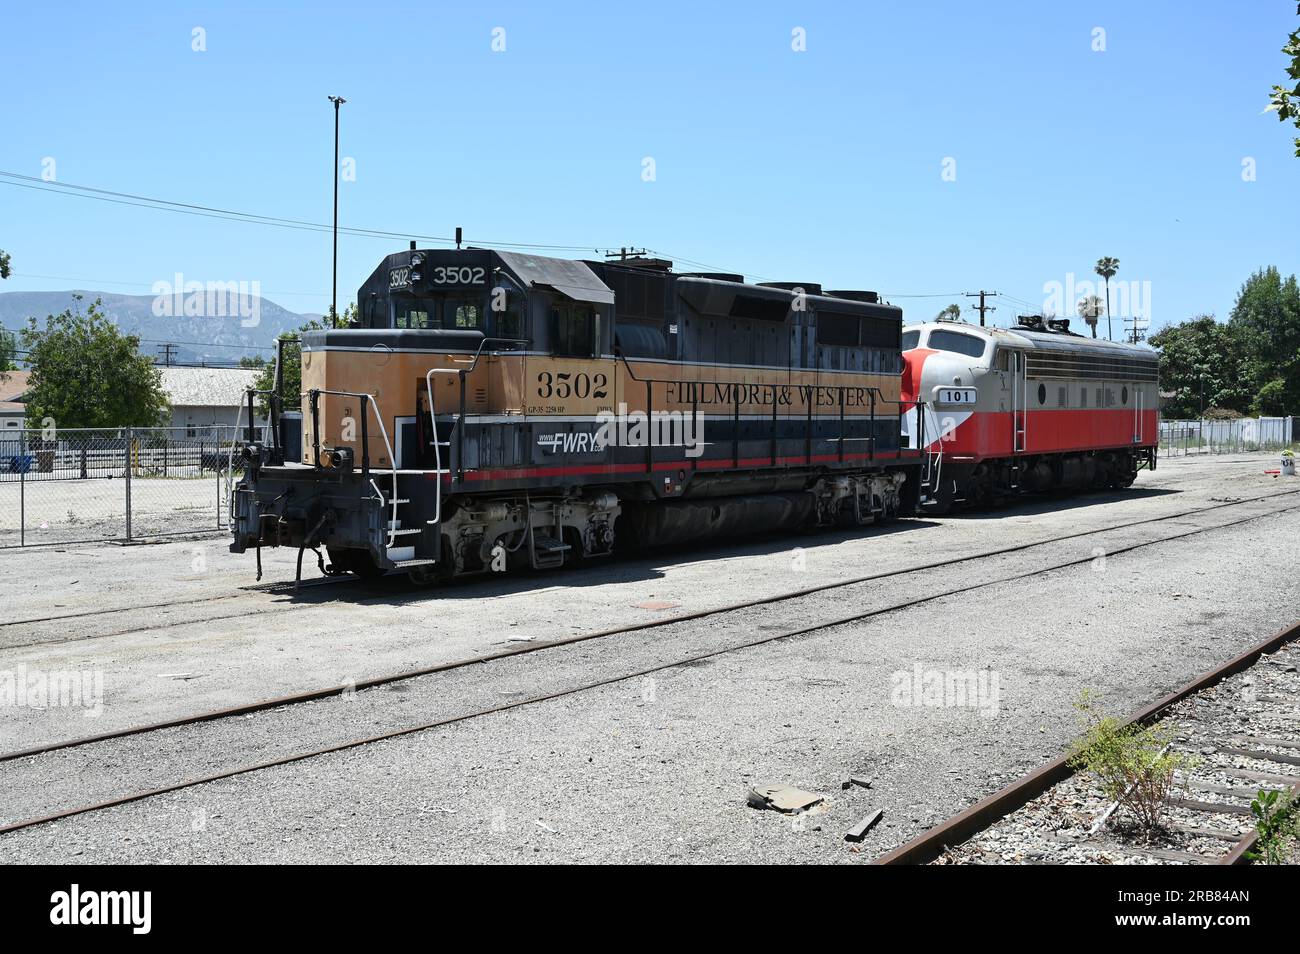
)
(563, 385)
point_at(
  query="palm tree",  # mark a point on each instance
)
(1089, 311)
(1106, 267)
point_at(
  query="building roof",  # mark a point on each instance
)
(13, 385)
(207, 387)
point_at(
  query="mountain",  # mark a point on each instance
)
(249, 327)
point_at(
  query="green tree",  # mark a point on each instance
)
(4, 264)
(293, 363)
(8, 351)
(1106, 267)
(1090, 311)
(1201, 362)
(86, 373)
(1287, 101)
(949, 313)
(1266, 319)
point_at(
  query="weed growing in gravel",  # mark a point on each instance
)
(1277, 824)
(1132, 763)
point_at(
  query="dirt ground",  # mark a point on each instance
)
(655, 762)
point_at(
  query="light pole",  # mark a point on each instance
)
(334, 294)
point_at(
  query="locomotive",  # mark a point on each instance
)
(492, 409)
(1028, 409)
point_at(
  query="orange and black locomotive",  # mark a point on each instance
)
(492, 409)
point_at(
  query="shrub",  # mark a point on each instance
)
(1276, 826)
(1132, 763)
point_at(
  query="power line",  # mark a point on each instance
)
(167, 205)
(232, 215)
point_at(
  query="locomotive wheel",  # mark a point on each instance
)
(888, 514)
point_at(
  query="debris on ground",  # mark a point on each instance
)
(859, 831)
(782, 798)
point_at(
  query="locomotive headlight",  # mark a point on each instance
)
(415, 277)
(336, 458)
(417, 259)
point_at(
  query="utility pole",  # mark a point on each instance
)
(334, 294)
(167, 351)
(1136, 334)
(981, 307)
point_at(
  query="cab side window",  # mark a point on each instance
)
(574, 330)
(509, 321)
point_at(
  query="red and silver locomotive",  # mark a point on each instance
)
(1030, 408)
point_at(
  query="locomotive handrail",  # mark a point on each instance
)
(274, 406)
(369, 401)
(478, 353)
(437, 444)
(618, 353)
(874, 392)
(428, 385)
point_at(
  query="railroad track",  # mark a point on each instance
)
(388, 678)
(1239, 723)
(274, 588)
(366, 592)
(466, 716)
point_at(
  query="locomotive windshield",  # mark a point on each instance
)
(440, 311)
(957, 342)
(910, 340)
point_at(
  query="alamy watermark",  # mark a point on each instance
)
(59, 689)
(1128, 299)
(656, 429)
(948, 689)
(626, 428)
(182, 299)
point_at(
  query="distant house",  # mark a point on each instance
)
(13, 409)
(203, 397)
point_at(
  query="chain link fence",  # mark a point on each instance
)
(1181, 438)
(79, 486)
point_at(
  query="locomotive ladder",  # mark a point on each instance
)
(439, 470)
(392, 500)
(1138, 423)
(1019, 408)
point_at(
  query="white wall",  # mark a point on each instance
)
(198, 417)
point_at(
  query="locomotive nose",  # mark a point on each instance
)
(911, 380)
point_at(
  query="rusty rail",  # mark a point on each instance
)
(930, 845)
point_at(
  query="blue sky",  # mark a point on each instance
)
(822, 165)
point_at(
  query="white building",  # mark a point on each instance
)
(13, 387)
(202, 397)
